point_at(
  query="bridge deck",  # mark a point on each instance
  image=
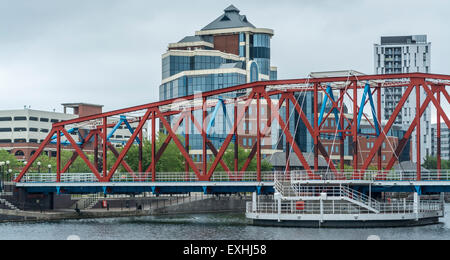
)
(222, 183)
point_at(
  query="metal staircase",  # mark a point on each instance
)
(8, 204)
(294, 191)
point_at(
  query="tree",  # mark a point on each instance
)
(431, 163)
(171, 161)
(78, 166)
(14, 164)
(228, 158)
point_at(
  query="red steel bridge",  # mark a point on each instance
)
(176, 116)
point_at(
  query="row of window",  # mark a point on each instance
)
(23, 129)
(175, 64)
(260, 52)
(21, 140)
(31, 118)
(263, 65)
(260, 40)
(189, 85)
(199, 157)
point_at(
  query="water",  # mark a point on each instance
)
(205, 226)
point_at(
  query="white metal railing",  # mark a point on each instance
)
(146, 177)
(287, 190)
(399, 175)
(443, 175)
(342, 208)
(360, 197)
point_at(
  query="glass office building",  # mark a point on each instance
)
(227, 52)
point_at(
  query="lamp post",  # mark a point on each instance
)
(7, 165)
(39, 167)
(8, 170)
(2, 165)
(49, 168)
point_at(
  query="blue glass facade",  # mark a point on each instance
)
(273, 75)
(260, 52)
(173, 65)
(237, 57)
(242, 49)
(189, 85)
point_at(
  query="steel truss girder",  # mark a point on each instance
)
(259, 90)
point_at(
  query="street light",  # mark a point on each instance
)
(2, 165)
(7, 166)
(39, 167)
(49, 168)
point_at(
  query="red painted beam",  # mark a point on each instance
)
(230, 136)
(127, 147)
(254, 85)
(75, 154)
(437, 105)
(162, 149)
(211, 146)
(36, 155)
(386, 129)
(291, 140)
(179, 145)
(402, 143)
(311, 131)
(81, 154)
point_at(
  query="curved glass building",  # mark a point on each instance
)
(227, 52)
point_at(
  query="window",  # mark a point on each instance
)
(32, 118)
(44, 130)
(20, 118)
(249, 142)
(20, 129)
(20, 140)
(54, 120)
(5, 130)
(44, 119)
(19, 153)
(33, 141)
(5, 141)
(33, 129)
(5, 119)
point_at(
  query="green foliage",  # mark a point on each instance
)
(431, 163)
(14, 164)
(228, 158)
(171, 161)
(78, 166)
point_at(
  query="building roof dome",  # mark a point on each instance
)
(230, 19)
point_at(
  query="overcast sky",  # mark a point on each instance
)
(109, 51)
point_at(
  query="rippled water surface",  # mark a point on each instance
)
(206, 226)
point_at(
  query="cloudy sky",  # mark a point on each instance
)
(109, 51)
